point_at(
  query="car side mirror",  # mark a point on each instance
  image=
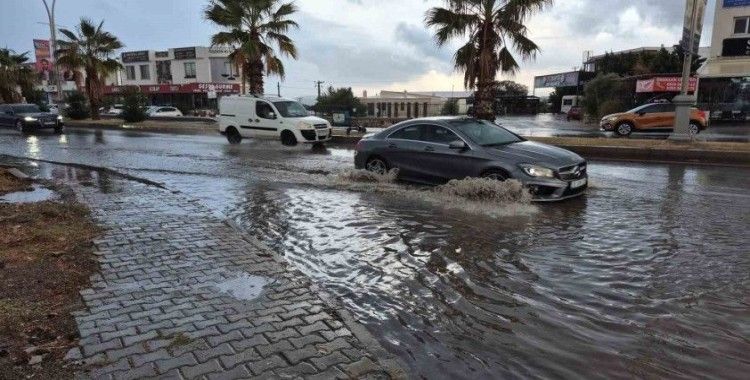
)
(457, 145)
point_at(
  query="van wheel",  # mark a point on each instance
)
(233, 136)
(624, 129)
(288, 139)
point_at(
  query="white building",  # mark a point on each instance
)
(189, 77)
(402, 105)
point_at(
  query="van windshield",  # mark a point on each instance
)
(289, 108)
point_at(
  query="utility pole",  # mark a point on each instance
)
(278, 89)
(319, 83)
(694, 11)
(53, 42)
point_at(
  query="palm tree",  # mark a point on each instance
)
(252, 27)
(494, 29)
(90, 49)
(14, 74)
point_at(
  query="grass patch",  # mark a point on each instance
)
(45, 260)
(10, 184)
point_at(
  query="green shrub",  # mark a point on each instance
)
(450, 108)
(134, 105)
(78, 107)
(605, 88)
(609, 107)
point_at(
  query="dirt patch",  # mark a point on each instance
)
(45, 260)
(10, 184)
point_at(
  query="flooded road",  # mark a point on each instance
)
(646, 276)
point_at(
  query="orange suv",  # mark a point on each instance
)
(651, 117)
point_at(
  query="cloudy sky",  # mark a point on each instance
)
(369, 44)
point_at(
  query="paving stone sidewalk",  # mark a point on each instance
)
(175, 299)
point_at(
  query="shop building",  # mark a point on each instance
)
(725, 79)
(190, 78)
(402, 105)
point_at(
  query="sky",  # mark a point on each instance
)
(370, 45)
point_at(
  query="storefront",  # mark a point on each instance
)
(186, 97)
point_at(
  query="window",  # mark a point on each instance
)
(189, 70)
(263, 110)
(395, 110)
(741, 25)
(567, 102)
(438, 135)
(145, 72)
(130, 72)
(412, 132)
(485, 133)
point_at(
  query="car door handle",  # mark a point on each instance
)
(429, 149)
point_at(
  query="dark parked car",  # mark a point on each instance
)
(435, 150)
(28, 118)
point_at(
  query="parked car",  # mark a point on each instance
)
(114, 110)
(569, 101)
(651, 117)
(436, 150)
(575, 113)
(163, 112)
(27, 118)
(270, 117)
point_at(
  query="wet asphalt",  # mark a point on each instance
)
(648, 275)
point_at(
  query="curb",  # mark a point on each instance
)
(17, 173)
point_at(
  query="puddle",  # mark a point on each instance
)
(245, 287)
(38, 194)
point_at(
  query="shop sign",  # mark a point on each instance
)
(664, 84)
(189, 88)
(161, 54)
(220, 50)
(736, 47)
(557, 80)
(736, 3)
(185, 53)
(43, 56)
(135, 56)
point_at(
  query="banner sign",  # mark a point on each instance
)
(135, 56)
(736, 3)
(695, 8)
(736, 47)
(189, 88)
(43, 56)
(557, 80)
(184, 53)
(664, 84)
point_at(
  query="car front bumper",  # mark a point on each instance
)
(315, 135)
(551, 190)
(606, 126)
(43, 124)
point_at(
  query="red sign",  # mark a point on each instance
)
(43, 56)
(664, 84)
(189, 88)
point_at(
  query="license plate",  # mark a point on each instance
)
(323, 132)
(578, 183)
(49, 123)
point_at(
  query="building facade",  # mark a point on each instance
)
(725, 79)
(402, 105)
(190, 78)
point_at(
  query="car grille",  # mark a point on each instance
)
(308, 134)
(321, 126)
(571, 173)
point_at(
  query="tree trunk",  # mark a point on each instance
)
(485, 101)
(255, 76)
(91, 93)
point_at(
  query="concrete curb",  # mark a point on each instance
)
(17, 173)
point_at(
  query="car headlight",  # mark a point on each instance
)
(609, 118)
(59, 118)
(537, 171)
(29, 118)
(303, 125)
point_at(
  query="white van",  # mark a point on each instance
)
(570, 101)
(270, 117)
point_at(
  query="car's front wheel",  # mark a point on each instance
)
(624, 129)
(694, 128)
(59, 129)
(21, 127)
(497, 175)
(377, 165)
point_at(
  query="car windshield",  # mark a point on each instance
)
(485, 133)
(636, 109)
(290, 109)
(27, 108)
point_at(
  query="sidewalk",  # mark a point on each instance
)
(181, 294)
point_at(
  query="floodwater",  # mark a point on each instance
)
(646, 276)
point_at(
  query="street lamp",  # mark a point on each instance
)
(53, 41)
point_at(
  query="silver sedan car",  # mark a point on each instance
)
(436, 150)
